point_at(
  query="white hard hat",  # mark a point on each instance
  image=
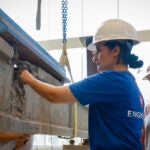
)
(114, 29)
(147, 74)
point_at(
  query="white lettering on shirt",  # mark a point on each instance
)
(135, 114)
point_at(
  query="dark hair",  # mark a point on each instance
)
(125, 55)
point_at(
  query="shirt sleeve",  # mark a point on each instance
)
(92, 89)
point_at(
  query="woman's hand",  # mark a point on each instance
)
(25, 77)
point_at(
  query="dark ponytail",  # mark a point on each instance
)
(134, 62)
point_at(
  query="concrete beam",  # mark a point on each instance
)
(23, 110)
(80, 42)
(144, 35)
(75, 42)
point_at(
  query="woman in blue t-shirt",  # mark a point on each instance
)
(115, 102)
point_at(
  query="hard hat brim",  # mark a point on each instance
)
(92, 46)
(146, 77)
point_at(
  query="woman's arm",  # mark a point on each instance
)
(60, 94)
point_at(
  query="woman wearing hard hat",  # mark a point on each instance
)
(146, 130)
(147, 76)
(115, 102)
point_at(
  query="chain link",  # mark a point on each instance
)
(64, 19)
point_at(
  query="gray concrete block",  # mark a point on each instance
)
(6, 49)
(23, 110)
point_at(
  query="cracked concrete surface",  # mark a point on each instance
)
(23, 110)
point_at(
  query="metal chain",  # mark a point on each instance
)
(64, 19)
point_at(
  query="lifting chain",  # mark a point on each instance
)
(64, 58)
(64, 19)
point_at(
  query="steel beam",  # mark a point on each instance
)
(80, 42)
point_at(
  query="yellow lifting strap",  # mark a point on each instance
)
(64, 61)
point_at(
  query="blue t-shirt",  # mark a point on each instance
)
(116, 109)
